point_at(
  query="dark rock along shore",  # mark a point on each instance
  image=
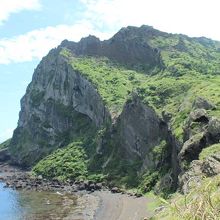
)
(16, 178)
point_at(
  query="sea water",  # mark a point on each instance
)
(28, 205)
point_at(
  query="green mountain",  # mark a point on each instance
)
(134, 110)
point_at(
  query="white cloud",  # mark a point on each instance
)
(13, 6)
(6, 134)
(194, 18)
(37, 43)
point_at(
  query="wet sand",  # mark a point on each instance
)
(121, 207)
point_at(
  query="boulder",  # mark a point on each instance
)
(199, 115)
(211, 165)
(191, 148)
(214, 128)
(197, 170)
(98, 186)
(191, 177)
(115, 190)
(202, 103)
(196, 122)
(81, 186)
(167, 116)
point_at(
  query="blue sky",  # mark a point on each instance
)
(30, 28)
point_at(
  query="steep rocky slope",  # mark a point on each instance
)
(58, 107)
(133, 101)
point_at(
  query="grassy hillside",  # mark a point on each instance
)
(163, 91)
(191, 69)
(201, 203)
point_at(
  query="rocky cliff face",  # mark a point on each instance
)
(59, 106)
(67, 102)
(125, 47)
(140, 141)
(59, 100)
(139, 130)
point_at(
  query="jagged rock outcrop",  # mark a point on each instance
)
(139, 129)
(201, 103)
(214, 130)
(191, 177)
(200, 130)
(59, 105)
(211, 165)
(128, 47)
(197, 171)
(192, 147)
(143, 140)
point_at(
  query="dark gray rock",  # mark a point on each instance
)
(4, 155)
(167, 116)
(128, 47)
(115, 190)
(191, 148)
(214, 129)
(203, 103)
(197, 171)
(138, 195)
(192, 177)
(211, 165)
(199, 115)
(98, 186)
(197, 122)
(57, 100)
(134, 131)
(82, 186)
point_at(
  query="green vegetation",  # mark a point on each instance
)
(188, 73)
(65, 163)
(159, 151)
(191, 69)
(113, 82)
(172, 90)
(163, 91)
(68, 163)
(5, 144)
(201, 203)
(148, 181)
(182, 54)
(212, 150)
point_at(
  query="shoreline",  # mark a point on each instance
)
(96, 203)
(121, 207)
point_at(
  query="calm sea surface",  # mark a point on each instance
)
(31, 205)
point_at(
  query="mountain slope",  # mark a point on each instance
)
(132, 101)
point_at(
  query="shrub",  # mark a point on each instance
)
(66, 163)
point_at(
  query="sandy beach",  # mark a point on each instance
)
(121, 207)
